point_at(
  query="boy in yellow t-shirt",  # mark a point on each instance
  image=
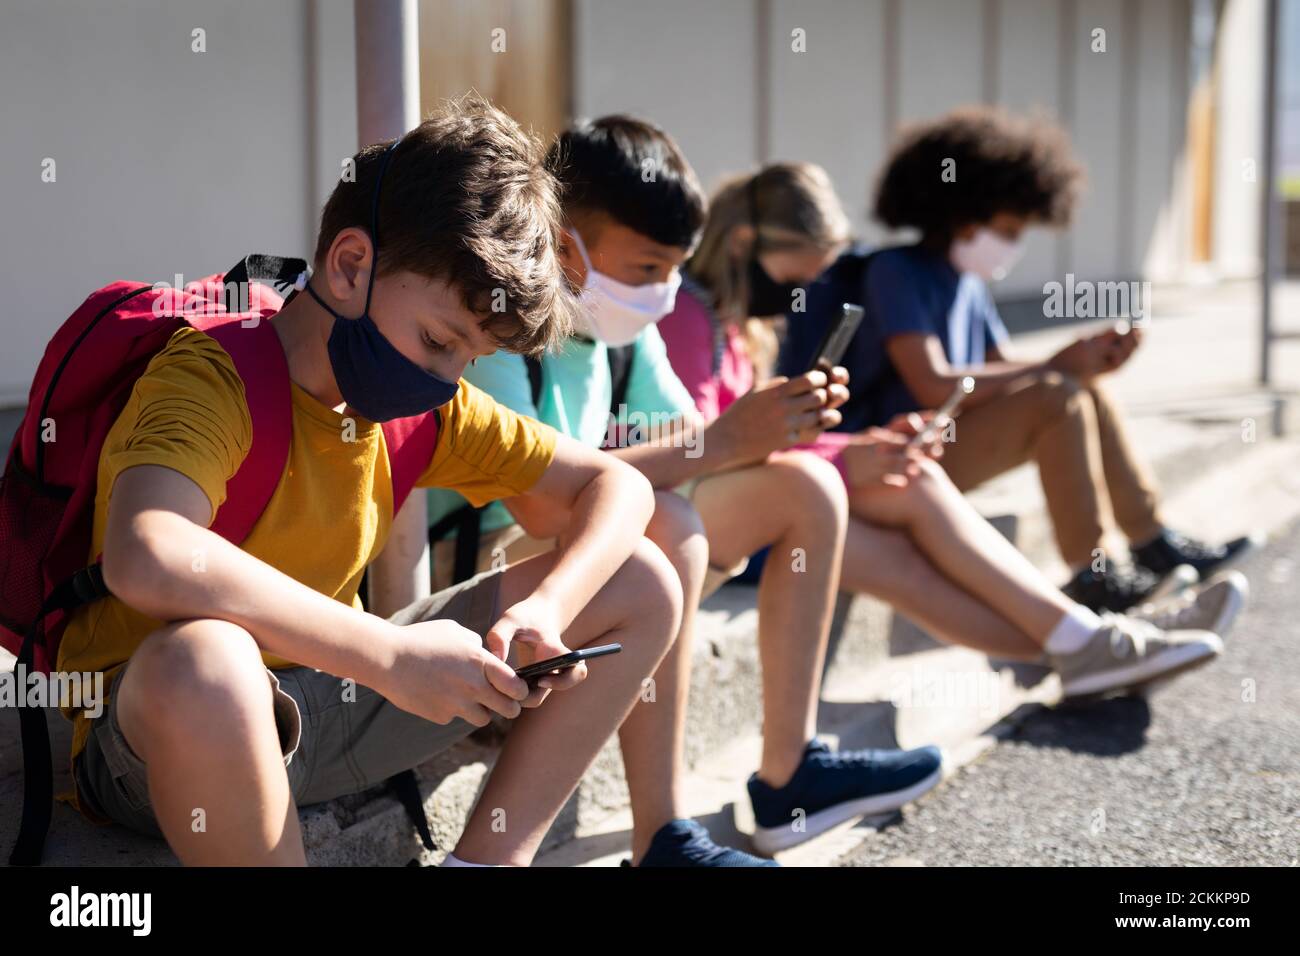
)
(245, 681)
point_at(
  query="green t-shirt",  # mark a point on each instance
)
(575, 398)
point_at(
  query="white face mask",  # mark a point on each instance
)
(987, 254)
(617, 312)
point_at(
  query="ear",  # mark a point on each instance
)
(348, 264)
(575, 269)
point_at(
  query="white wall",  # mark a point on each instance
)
(167, 160)
(871, 63)
(1239, 144)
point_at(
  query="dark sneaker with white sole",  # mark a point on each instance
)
(1117, 588)
(1170, 549)
(1211, 606)
(1126, 652)
(830, 787)
(687, 843)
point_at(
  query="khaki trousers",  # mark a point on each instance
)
(1085, 462)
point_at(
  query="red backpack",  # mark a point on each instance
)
(47, 494)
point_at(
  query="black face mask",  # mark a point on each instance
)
(766, 295)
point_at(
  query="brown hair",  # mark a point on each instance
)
(1001, 163)
(466, 198)
(794, 206)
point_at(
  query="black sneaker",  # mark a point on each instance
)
(1116, 589)
(1170, 549)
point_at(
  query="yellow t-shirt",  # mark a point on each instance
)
(332, 511)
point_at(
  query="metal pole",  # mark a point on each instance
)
(1269, 212)
(388, 104)
(388, 68)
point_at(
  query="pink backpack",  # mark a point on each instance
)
(47, 494)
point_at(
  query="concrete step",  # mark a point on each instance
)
(888, 683)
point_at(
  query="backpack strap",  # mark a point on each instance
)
(411, 443)
(259, 359)
(534, 365)
(620, 374)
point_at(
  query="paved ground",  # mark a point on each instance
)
(1191, 776)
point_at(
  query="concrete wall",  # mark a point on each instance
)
(722, 76)
(166, 160)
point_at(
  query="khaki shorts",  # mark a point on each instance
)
(511, 544)
(331, 746)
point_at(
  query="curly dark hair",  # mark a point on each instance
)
(1003, 163)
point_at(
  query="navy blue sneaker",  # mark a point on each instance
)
(686, 843)
(829, 788)
(1169, 549)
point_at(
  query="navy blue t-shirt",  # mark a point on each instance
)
(903, 289)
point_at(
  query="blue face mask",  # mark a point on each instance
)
(373, 376)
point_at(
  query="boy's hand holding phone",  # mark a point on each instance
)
(441, 671)
(1094, 355)
(1118, 344)
(533, 628)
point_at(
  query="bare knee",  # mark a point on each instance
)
(192, 681)
(651, 595)
(677, 529)
(814, 490)
(1061, 394)
(931, 487)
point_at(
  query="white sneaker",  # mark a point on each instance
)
(1126, 652)
(1211, 606)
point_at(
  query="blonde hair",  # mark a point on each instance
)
(793, 206)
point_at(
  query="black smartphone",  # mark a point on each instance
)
(837, 338)
(532, 672)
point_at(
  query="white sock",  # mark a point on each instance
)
(1072, 631)
(453, 860)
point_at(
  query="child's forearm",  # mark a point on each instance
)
(692, 451)
(170, 568)
(606, 521)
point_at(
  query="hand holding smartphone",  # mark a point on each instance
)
(534, 672)
(926, 435)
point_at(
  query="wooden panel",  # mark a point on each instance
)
(530, 78)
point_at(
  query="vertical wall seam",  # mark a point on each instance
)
(762, 80)
(890, 64)
(992, 49)
(1126, 195)
(1065, 248)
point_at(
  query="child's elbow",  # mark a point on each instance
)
(133, 558)
(637, 494)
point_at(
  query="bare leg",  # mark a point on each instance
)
(195, 706)
(965, 549)
(654, 735)
(549, 748)
(884, 563)
(796, 504)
